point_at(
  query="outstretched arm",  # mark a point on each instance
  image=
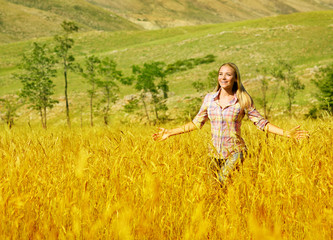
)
(163, 133)
(292, 133)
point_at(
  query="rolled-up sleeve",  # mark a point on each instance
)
(202, 115)
(259, 121)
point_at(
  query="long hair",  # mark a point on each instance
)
(243, 97)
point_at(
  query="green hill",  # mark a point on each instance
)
(21, 19)
(25, 19)
(303, 39)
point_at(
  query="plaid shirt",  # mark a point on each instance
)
(226, 124)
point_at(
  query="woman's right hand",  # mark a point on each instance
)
(296, 133)
(161, 135)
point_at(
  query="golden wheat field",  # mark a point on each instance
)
(117, 183)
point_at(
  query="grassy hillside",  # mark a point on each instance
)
(32, 19)
(26, 19)
(14, 24)
(157, 14)
(303, 39)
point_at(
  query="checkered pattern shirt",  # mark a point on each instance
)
(226, 124)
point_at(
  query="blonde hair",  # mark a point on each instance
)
(243, 97)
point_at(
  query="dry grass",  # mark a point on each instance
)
(103, 183)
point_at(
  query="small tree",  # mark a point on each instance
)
(131, 105)
(267, 89)
(190, 109)
(286, 73)
(63, 44)
(324, 82)
(145, 83)
(91, 75)
(198, 85)
(36, 80)
(208, 85)
(264, 89)
(108, 83)
(9, 107)
(211, 80)
(160, 99)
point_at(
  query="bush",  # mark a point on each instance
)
(324, 82)
(313, 113)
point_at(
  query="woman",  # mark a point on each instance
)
(225, 107)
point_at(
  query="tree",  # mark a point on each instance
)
(9, 106)
(160, 99)
(208, 85)
(131, 105)
(108, 83)
(286, 73)
(190, 109)
(36, 80)
(145, 83)
(211, 80)
(198, 85)
(92, 77)
(266, 88)
(201, 86)
(64, 44)
(156, 93)
(324, 82)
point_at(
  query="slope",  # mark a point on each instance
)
(160, 14)
(21, 20)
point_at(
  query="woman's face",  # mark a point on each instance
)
(226, 77)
